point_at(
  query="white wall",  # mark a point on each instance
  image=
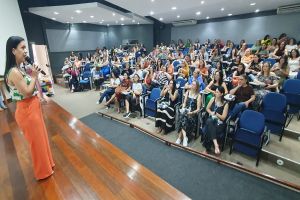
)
(11, 24)
(250, 29)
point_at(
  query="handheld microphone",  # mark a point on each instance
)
(29, 60)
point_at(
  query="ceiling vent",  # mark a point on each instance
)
(288, 9)
(185, 22)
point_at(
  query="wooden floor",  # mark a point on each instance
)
(87, 166)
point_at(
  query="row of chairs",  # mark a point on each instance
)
(248, 133)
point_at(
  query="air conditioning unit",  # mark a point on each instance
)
(185, 22)
(288, 9)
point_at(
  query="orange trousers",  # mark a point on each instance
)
(30, 119)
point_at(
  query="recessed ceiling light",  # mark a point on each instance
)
(84, 21)
(202, 2)
(152, 0)
(198, 13)
(178, 16)
(151, 13)
(138, 22)
(56, 13)
(53, 18)
(207, 17)
(122, 19)
(117, 22)
(68, 22)
(114, 14)
(222, 9)
(78, 11)
(257, 10)
(161, 19)
(229, 14)
(100, 22)
(91, 16)
(107, 24)
(122, 24)
(133, 21)
(252, 4)
(174, 8)
(72, 17)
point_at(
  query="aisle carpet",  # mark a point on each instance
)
(197, 177)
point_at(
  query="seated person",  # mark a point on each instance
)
(216, 57)
(132, 99)
(116, 97)
(215, 125)
(203, 70)
(189, 117)
(195, 77)
(127, 70)
(236, 74)
(163, 77)
(114, 82)
(138, 71)
(97, 77)
(165, 116)
(254, 68)
(244, 96)
(267, 81)
(170, 67)
(247, 58)
(294, 63)
(73, 82)
(219, 67)
(184, 71)
(263, 51)
(281, 69)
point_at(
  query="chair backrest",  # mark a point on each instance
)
(105, 70)
(87, 67)
(155, 93)
(253, 121)
(298, 75)
(270, 60)
(275, 102)
(86, 74)
(291, 89)
(180, 82)
(175, 64)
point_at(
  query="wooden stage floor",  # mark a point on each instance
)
(87, 166)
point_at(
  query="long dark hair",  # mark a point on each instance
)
(221, 76)
(221, 89)
(12, 43)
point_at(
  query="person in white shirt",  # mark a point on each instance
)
(134, 94)
(294, 63)
(290, 46)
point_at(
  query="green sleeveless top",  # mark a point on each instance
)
(14, 92)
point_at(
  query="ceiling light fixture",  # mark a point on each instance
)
(257, 10)
(133, 21)
(68, 22)
(174, 8)
(229, 14)
(100, 22)
(207, 17)
(122, 19)
(56, 13)
(72, 17)
(152, 0)
(151, 13)
(107, 24)
(91, 16)
(202, 2)
(222, 9)
(114, 14)
(178, 16)
(84, 21)
(53, 18)
(78, 11)
(198, 13)
(122, 24)
(161, 19)
(252, 4)
(138, 22)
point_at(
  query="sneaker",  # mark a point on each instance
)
(126, 115)
(178, 141)
(97, 102)
(185, 142)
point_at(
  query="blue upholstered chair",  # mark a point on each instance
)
(150, 104)
(249, 136)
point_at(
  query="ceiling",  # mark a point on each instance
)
(93, 13)
(188, 9)
(166, 11)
